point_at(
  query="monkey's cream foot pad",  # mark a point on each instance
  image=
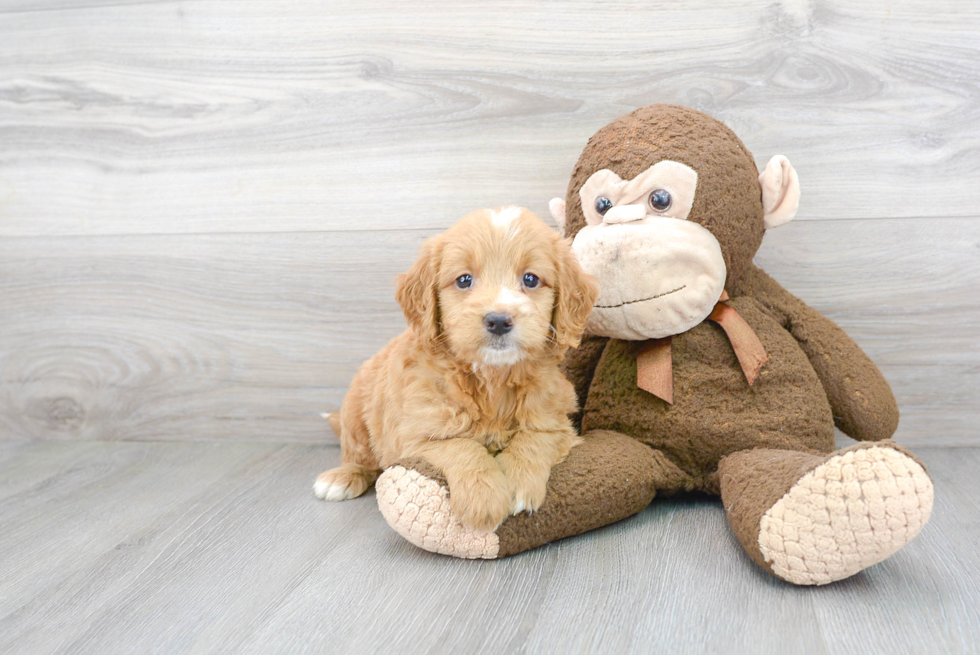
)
(850, 512)
(417, 508)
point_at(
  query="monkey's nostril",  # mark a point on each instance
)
(498, 324)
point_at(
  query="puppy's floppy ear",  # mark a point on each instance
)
(417, 291)
(575, 293)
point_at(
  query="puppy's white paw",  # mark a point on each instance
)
(528, 496)
(343, 483)
(327, 491)
(528, 484)
(520, 505)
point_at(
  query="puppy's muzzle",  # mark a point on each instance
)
(498, 323)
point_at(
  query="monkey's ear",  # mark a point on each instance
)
(417, 291)
(780, 192)
(557, 208)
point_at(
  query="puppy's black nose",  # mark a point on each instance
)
(498, 323)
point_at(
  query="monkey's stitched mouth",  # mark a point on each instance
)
(630, 302)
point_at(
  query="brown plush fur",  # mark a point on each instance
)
(493, 420)
(816, 377)
(728, 200)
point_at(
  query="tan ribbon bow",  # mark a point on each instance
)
(654, 367)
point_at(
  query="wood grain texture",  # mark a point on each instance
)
(250, 337)
(195, 337)
(203, 203)
(23, 6)
(191, 547)
(256, 116)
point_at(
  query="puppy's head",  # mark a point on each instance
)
(497, 288)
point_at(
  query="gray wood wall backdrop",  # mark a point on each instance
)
(203, 203)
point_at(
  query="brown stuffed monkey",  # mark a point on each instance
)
(700, 372)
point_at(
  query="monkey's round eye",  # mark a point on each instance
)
(660, 200)
(464, 281)
(531, 281)
(602, 205)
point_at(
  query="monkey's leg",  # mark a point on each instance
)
(814, 519)
(605, 479)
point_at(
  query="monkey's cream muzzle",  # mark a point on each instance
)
(625, 214)
(659, 275)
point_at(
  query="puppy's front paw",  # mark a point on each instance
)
(344, 482)
(481, 500)
(529, 495)
(528, 485)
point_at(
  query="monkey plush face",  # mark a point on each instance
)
(665, 205)
(641, 225)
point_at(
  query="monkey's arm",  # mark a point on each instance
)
(863, 404)
(579, 367)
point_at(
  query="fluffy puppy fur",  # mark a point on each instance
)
(473, 385)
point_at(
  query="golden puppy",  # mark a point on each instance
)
(473, 385)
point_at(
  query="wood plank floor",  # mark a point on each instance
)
(115, 547)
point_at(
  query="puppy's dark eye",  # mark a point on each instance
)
(531, 281)
(602, 205)
(660, 200)
(464, 281)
